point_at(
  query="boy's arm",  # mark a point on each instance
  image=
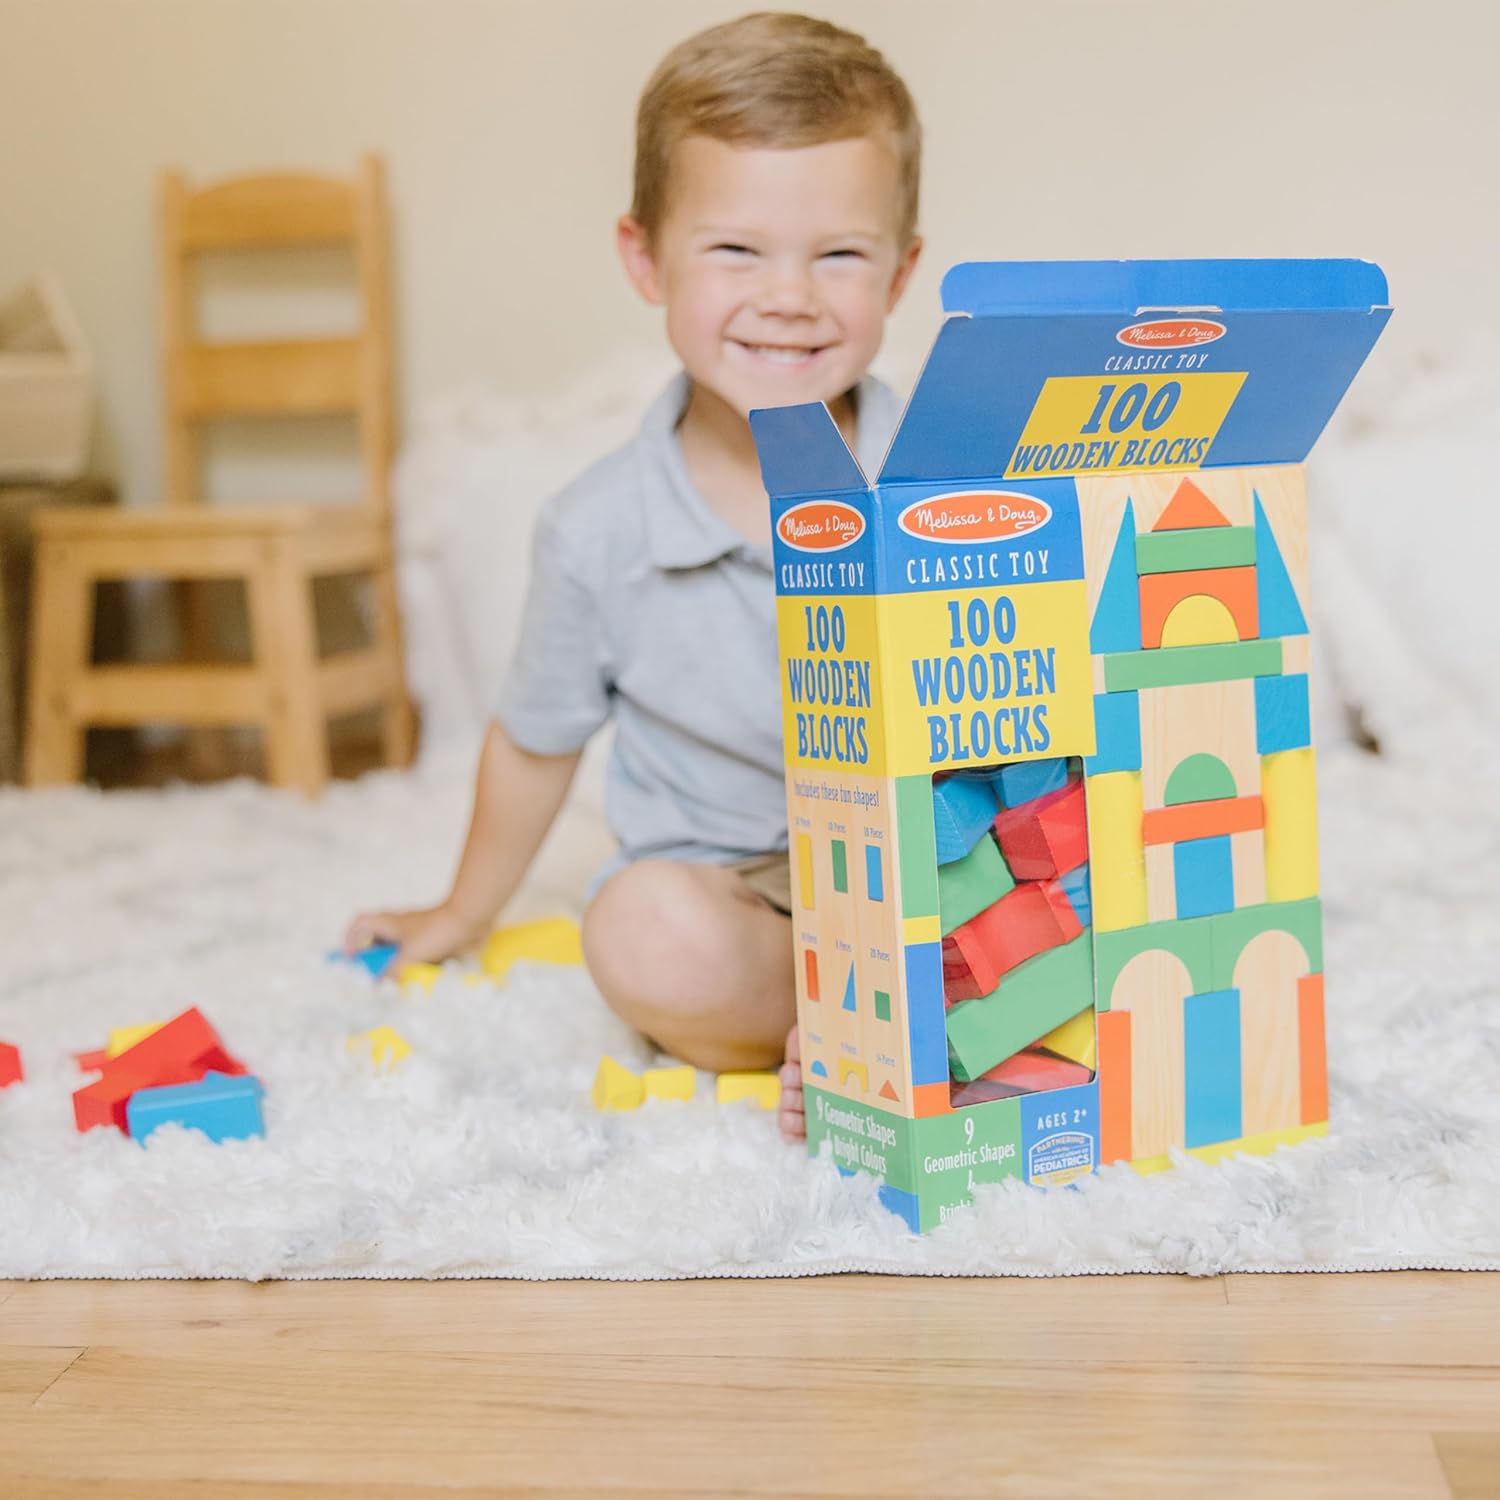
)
(517, 795)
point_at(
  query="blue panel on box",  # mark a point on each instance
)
(1060, 1134)
(874, 872)
(1075, 886)
(1117, 730)
(963, 807)
(1116, 624)
(849, 1000)
(1277, 610)
(1211, 1067)
(1283, 720)
(1204, 875)
(924, 1008)
(222, 1107)
(1027, 780)
(902, 1204)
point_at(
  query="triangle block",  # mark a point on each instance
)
(887, 1092)
(1117, 616)
(1277, 608)
(1189, 509)
(849, 990)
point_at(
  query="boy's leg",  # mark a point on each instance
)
(691, 956)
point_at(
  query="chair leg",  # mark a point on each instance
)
(62, 630)
(397, 730)
(285, 642)
(208, 749)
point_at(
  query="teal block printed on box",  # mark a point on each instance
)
(1117, 731)
(1277, 609)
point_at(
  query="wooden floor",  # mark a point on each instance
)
(1290, 1386)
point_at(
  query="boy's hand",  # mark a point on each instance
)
(427, 936)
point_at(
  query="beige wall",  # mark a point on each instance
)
(1106, 128)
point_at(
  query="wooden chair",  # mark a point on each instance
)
(277, 549)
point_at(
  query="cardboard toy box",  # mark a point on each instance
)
(1079, 582)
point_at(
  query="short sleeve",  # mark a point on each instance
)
(556, 692)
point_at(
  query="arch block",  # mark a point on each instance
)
(1164, 593)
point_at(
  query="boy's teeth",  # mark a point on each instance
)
(780, 355)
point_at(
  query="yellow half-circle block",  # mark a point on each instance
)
(763, 1088)
(423, 976)
(616, 1087)
(123, 1038)
(1199, 620)
(552, 940)
(1074, 1039)
(384, 1046)
(669, 1083)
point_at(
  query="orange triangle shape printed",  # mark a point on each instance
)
(1189, 509)
(887, 1092)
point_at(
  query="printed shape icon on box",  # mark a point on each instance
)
(224, 1108)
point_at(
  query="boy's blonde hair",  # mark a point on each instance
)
(771, 79)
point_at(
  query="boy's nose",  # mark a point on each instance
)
(786, 291)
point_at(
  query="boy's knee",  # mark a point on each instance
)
(650, 932)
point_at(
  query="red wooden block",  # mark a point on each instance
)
(11, 1070)
(91, 1062)
(1028, 1072)
(105, 1102)
(958, 979)
(186, 1047)
(1017, 927)
(1046, 837)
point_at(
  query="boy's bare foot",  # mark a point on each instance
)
(791, 1118)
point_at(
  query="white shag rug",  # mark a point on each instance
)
(482, 1156)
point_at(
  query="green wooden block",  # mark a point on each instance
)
(1177, 666)
(1202, 547)
(840, 866)
(1042, 993)
(969, 885)
(1191, 940)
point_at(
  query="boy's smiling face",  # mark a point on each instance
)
(776, 267)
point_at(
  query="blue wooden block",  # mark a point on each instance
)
(1283, 720)
(874, 873)
(376, 958)
(1116, 625)
(224, 1108)
(1117, 730)
(1027, 780)
(1211, 1067)
(963, 807)
(1204, 875)
(1075, 885)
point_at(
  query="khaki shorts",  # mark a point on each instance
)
(770, 877)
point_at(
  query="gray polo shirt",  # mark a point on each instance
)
(646, 608)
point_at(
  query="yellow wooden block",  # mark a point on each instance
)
(1074, 1039)
(763, 1088)
(1117, 858)
(552, 940)
(669, 1083)
(424, 976)
(1288, 786)
(385, 1047)
(123, 1038)
(616, 1087)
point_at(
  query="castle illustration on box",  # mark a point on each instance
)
(1050, 766)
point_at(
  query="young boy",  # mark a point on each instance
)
(774, 220)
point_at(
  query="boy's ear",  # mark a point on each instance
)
(634, 247)
(904, 267)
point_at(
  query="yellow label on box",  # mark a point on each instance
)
(1095, 423)
(830, 689)
(979, 676)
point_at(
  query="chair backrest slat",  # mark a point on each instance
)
(291, 377)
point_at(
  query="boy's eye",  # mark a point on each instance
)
(733, 249)
(843, 254)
